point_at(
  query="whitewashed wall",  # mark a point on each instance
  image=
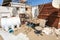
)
(20, 5)
(21, 10)
(5, 11)
(7, 23)
(35, 11)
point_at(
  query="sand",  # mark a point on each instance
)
(32, 36)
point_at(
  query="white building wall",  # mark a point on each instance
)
(8, 11)
(20, 5)
(7, 23)
(5, 11)
(35, 11)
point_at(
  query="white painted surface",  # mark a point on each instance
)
(8, 11)
(8, 36)
(56, 3)
(5, 11)
(35, 11)
(7, 23)
(5, 14)
(20, 5)
(15, 4)
(22, 10)
(14, 11)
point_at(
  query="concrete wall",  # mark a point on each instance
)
(8, 11)
(35, 11)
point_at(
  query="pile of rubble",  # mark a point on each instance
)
(50, 30)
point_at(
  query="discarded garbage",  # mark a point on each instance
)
(47, 30)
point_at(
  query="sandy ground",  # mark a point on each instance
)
(32, 36)
(1, 38)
